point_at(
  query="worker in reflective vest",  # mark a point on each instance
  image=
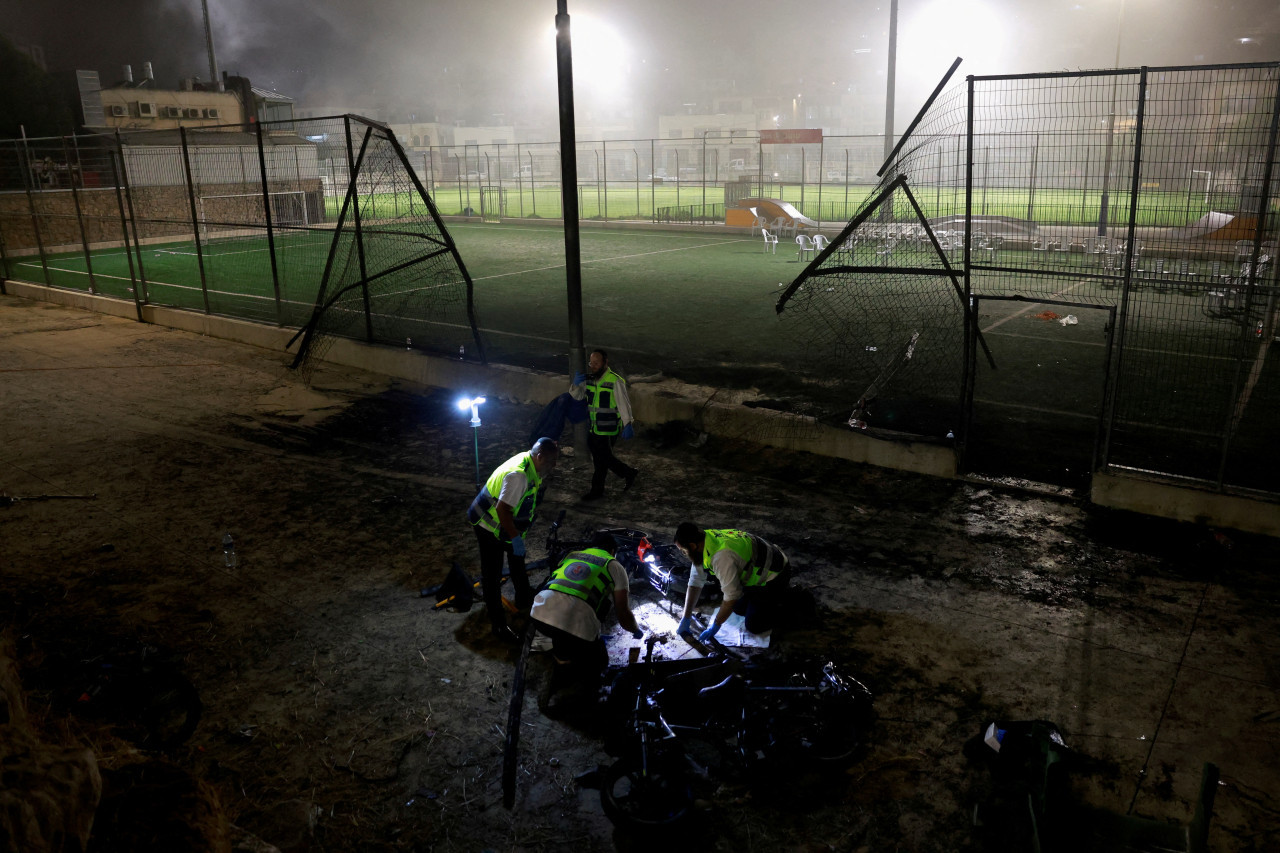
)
(753, 575)
(572, 605)
(500, 514)
(609, 409)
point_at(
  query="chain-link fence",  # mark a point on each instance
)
(266, 226)
(654, 180)
(1077, 262)
(1139, 205)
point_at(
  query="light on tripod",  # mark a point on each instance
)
(472, 403)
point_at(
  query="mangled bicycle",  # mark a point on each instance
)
(690, 725)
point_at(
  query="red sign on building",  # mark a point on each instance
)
(791, 137)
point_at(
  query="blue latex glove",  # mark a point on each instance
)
(638, 634)
(517, 546)
(686, 626)
(628, 432)
(705, 636)
(579, 378)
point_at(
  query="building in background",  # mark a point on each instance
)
(141, 104)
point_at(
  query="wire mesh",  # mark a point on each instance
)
(392, 274)
(1152, 191)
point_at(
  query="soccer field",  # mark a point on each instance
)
(658, 298)
(699, 306)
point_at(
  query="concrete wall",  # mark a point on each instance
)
(656, 403)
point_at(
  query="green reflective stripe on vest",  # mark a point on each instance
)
(602, 405)
(585, 574)
(484, 509)
(751, 549)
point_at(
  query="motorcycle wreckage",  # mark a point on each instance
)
(683, 725)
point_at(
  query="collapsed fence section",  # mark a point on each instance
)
(256, 225)
(1139, 209)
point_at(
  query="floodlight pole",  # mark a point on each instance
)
(569, 188)
(886, 212)
(890, 75)
(208, 41)
(1103, 206)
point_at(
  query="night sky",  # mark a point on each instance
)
(493, 61)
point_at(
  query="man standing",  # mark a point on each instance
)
(571, 606)
(503, 510)
(753, 576)
(609, 409)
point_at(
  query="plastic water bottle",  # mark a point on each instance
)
(462, 352)
(229, 551)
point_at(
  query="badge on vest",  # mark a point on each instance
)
(577, 572)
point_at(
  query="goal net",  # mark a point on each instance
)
(240, 213)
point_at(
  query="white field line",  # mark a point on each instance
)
(611, 259)
(1030, 306)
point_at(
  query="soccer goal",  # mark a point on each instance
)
(228, 215)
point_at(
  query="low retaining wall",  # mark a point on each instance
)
(666, 401)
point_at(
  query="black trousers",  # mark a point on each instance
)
(492, 553)
(761, 606)
(601, 447)
(586, 658)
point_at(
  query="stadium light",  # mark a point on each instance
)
(473, 403)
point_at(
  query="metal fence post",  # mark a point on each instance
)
(355, 195)
(4, 260)
(124, 235)
(1031, 192)
(271, 234)
(195, 219)
(133, 222)
(35, 217)
(970, 327)
(1126, 280)
(1264, 200)
(75, 201)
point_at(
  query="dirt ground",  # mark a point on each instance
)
(343, 711)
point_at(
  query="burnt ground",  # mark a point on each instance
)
(343, 711)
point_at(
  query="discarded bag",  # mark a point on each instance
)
(1069, 320)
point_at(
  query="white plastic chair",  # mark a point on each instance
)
(820, 242)
(805, 244)
(770, 240)
(884, 251)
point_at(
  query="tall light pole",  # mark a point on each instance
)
(208, 41)
(569, 188)
(1111, 133)
(889, 78)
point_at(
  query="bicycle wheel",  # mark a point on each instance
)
(644, 801)
(810, 731)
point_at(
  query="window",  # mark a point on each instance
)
(276, 111)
